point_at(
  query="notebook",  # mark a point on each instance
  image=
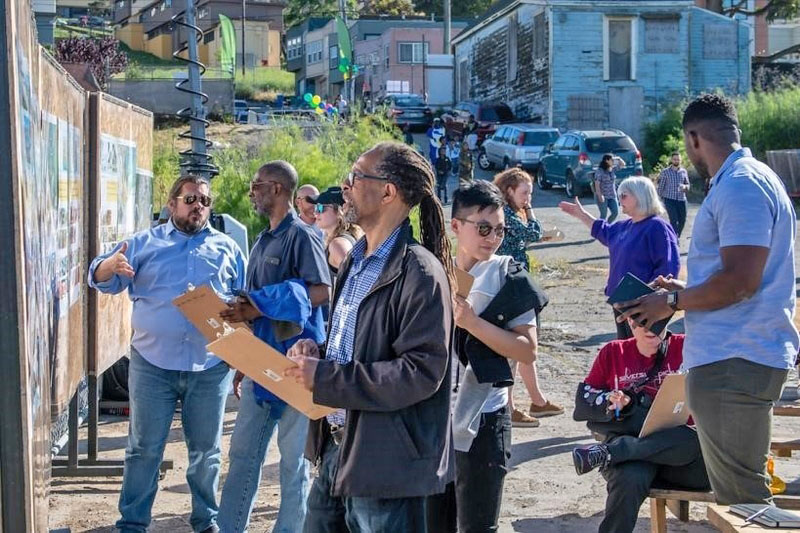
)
(772, 517)
(630, 288)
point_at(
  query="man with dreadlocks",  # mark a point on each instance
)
(386, 362)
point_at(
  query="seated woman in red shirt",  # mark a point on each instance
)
(668, 459)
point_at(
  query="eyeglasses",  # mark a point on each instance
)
(189, 199)
(351, 177)
(484, 228)
(320, 208)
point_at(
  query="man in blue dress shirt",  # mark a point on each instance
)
(287, 282)
(169, 360)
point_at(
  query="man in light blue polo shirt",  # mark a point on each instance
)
(169, 360)
(740, 337)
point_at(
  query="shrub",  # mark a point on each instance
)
(769, 121)
(322, 156)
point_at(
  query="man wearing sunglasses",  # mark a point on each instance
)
(168, 359)
(386, 361)
(305, 207)
(287, 283)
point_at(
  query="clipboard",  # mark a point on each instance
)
(669, 407)
(464, 280)
(202, 306)
(265, 365)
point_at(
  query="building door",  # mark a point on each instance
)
(625, 111)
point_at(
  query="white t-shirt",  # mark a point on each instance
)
(472, 141)
(490, 276)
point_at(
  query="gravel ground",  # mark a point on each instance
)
(542, 494)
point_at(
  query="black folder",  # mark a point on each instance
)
(630, 288)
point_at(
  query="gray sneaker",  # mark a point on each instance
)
(587, 458)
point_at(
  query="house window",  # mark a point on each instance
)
(294, 48)
(619, 49)
(661, 36)
(511, 49)
(411, 52)
(333, 55)
(208, 37)
(202, 12)
(463, 80)
(539, 36)
(386, 56)
(314, 52)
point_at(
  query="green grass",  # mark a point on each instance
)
(263, 83)
(146, 59)
(64, 31)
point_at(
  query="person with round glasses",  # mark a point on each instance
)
(340, 234)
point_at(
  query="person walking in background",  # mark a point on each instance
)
(673, 184)
(644, 245)
(386, 365)
(466, 164)
(287, 282)
(739, 301)
(454, 154)
(436, 137)
(340, 233)
(522, 230)
(169, 361)
(443, 167)
(408, 138)
(604, 184)
(305, 209)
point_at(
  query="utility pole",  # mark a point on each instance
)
(343, 14)
(447, 24)
(424, 68)
(198, 127)
(244, 16)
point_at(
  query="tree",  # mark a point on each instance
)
(102, 54)
(774, 9)
(299, 10)
(459, 8)
(100, 8)
(388, 7)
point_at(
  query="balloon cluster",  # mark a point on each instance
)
(316, 103)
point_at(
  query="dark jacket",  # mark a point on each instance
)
(397, 439)
(519, 294)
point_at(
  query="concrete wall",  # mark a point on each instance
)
(161, 97)
(132, 35)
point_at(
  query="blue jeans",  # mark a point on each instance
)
(154, 394)
(331, 514)
(255, 425)
(609, 205)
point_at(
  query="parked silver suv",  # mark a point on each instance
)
(516, 144)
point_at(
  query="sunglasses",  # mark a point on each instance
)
(189, 199)
(320, 208)
(484, 228)
(355, 174)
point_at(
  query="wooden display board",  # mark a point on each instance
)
(121, 190)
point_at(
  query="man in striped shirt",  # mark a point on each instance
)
(673, 182)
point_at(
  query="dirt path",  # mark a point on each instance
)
(542, 495)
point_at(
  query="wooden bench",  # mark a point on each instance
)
(677, 501)
(784, 447)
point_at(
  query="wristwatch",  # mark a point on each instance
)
(672, 300)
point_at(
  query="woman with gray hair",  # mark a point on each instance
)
(644, 244)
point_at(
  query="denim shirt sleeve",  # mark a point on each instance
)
(116, 284)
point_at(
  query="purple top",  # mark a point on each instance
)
(646, 249)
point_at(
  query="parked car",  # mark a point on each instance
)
(573, 158)
(488, 115)
(516, 144)
(406, 108)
